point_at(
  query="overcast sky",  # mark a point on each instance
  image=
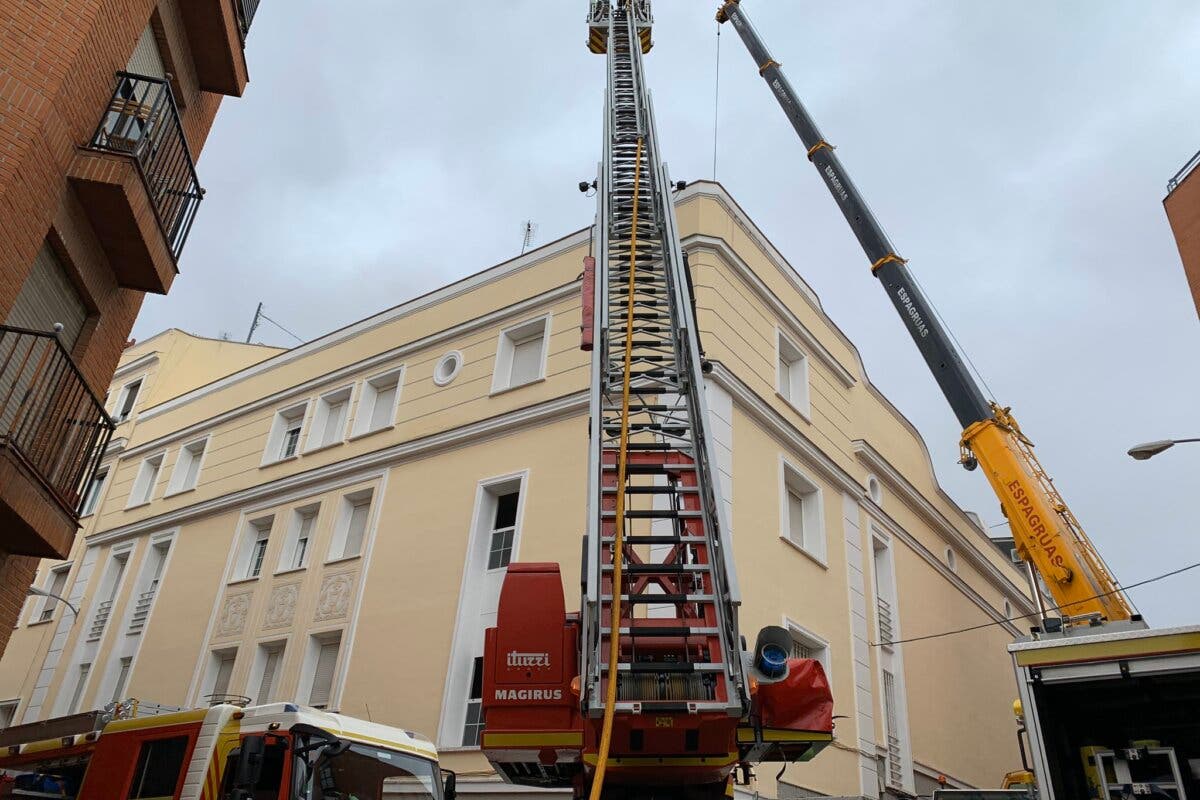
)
(1017, 154)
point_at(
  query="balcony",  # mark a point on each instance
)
(1184, 172)
(883, 618)
(53, 431)
(137, 182)
(216, 32)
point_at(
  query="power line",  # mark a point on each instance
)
(1165, 575)
(277, 325)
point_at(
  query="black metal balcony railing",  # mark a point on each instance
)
(49, 418)
(142, 121)
(1184, 171)
(246, 10)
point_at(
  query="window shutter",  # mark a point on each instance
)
(193, 466)
(47, 297)
(122, 678)
(356, 528)
(795, 517)
(335, 423)
(268, 676)
(381, 412)
(785, 378)
(323, 675)
(146, 60)
(84, 669)
(224, 671)
(526, 361)
(56, 587)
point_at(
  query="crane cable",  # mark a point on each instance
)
(614, 633)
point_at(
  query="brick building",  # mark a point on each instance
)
(104, 107)
(1183, 212)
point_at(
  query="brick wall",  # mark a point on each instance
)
(1183, 212)
(57, 65)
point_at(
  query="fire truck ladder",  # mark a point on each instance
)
(658, 568)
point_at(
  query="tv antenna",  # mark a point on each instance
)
(259, 315)
(528, 232)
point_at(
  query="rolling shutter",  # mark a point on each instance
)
(146, 60)
(47, 297)
(268, 677)
(224, 671)
(323, 674)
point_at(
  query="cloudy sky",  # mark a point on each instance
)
(1017, 153)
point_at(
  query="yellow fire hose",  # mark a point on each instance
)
(614, 635)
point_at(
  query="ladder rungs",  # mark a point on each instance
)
(657, 490)
(656, 631)
(666, 513)
(652, 666)
(654, 599)
(660, 569)
(636, 540)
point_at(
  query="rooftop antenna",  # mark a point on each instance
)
(528, 232)
(254, 324)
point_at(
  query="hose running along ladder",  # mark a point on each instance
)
(661, 651)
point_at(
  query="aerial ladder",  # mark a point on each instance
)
(1048, 537)
(647, 691)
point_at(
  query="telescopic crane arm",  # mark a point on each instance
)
(1047, 534)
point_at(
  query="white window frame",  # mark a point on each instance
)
(91, 499)
(341, 528)
(279, 426)
(316, 436)
(123, 394)
(308, 670)
(479, 590)
(820, 644)
(510, 337)
(443, 376)
(179, 471)
(262, 652)
(797, 394)
(250, 537)
(213, 670)
(368, 395)
(792, 478)
(287, 561)
(11, 706)
(49, 602)
(143, 485)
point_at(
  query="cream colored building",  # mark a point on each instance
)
(330, 524)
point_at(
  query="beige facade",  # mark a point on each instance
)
(328, 524)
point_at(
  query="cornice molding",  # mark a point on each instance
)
(792, 324)
(298, 390)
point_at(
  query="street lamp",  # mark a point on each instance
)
(1150, 449)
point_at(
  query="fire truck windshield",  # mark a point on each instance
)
(352, 771)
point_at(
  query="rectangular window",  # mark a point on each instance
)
(793, 374)
(127, 399)
(295, 551)
(8, 711)
(108, 594)
(187, 468)
(269, 656)
(147, 477)
(91, 495)
(885, 616)
(80, 683)
(377, 406)
(323, 671)
(153, 575)
(521, 354)
(284, 440)
(122, 679)
(329, 421)
(221, 670)
(159, 768)
(56, 582)
(504, 530)
(802, 515)
(258, 550)
(352, 525)
(473, 726)
(806, 645)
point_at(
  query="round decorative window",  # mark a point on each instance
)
(875, 490)
(447, 368)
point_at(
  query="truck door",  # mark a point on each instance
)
(272, 782)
